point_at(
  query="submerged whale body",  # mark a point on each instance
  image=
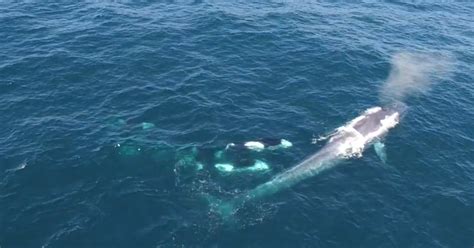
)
(346, 141)
(261, 144)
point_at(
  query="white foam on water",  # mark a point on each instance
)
(199, 166)
(21, 166)
(229, 145)
(321, 138)
(285, 143)
(387, 123)
(224, 167)
(259, 166)
(354, 142)
(147, 125)
(372, 110)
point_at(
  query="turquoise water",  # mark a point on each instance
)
(105, 107)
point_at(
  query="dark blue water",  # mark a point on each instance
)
(103, 105)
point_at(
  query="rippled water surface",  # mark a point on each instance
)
(105, 106)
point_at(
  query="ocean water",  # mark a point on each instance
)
(107, 107)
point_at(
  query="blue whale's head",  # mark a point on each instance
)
(378, 120)
(396, 107)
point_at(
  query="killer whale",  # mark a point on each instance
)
(261, 144)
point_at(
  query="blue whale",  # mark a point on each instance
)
(346, 141)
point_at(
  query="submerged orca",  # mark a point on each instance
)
(261, 144)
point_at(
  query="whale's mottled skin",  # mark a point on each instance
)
(347, 141)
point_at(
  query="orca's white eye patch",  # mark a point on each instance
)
(254, 145)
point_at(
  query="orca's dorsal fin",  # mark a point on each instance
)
(380, 150)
